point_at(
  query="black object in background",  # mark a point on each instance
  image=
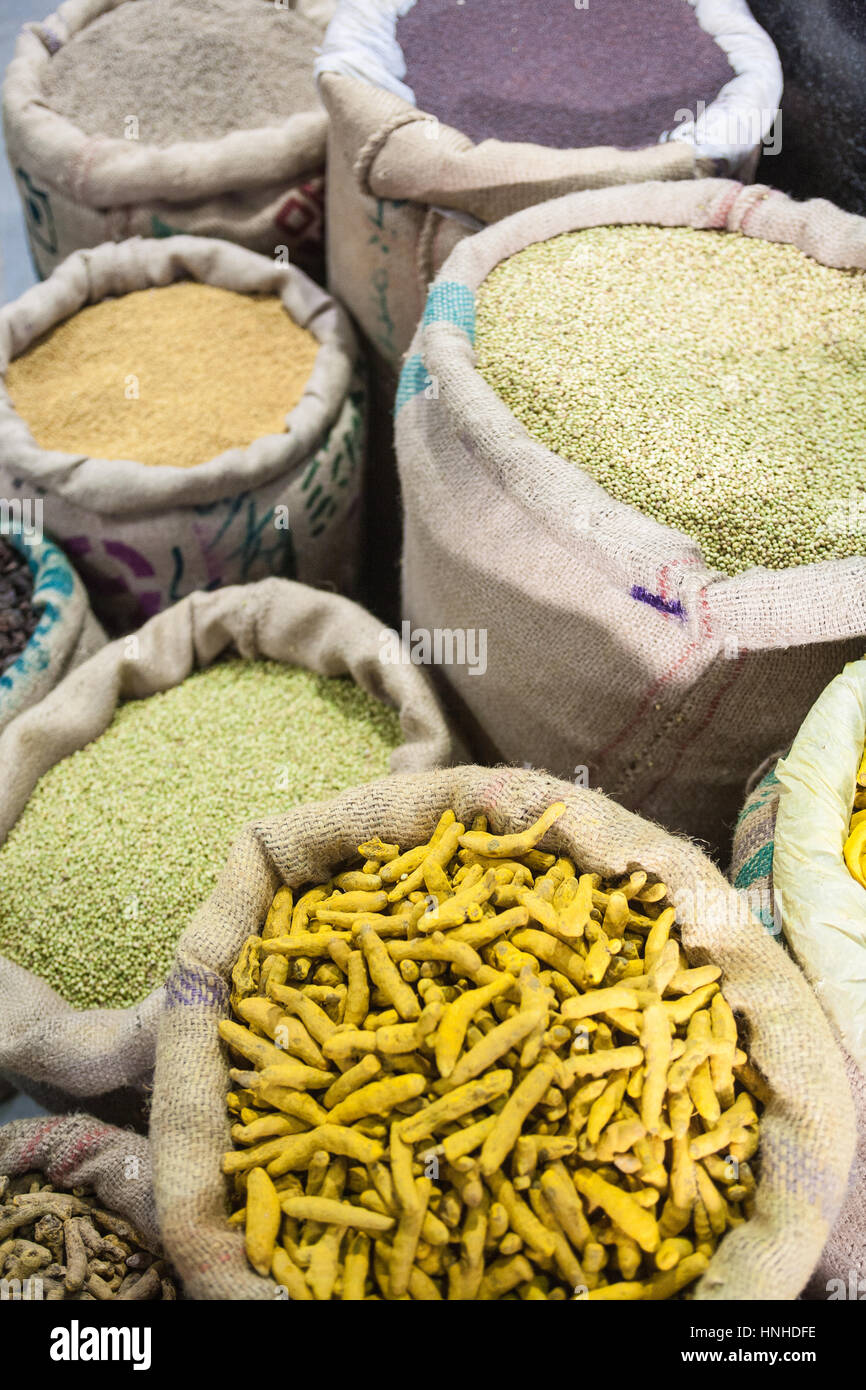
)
(822, 45)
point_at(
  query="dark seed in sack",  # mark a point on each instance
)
(614, 73)
(17, 615)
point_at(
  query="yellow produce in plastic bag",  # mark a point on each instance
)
(819, 863)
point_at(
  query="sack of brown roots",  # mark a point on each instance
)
(77, 1218)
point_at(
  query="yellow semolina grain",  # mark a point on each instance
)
(170, 376)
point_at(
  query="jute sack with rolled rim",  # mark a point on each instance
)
(404, 188)
(144, 536)
(662, 681)
(66, 634)
(751, 873)
(807, 1128)
(80, 1151)
(261, 188)
(105, 1057)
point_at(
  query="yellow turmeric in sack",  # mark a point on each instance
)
(560, 1117)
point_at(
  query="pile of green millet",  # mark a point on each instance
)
(716, 382)
(123, 840)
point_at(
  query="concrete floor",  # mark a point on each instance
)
(16, 269)
(16, 273)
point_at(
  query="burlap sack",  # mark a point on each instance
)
(844, 1255)
(404, 189)
(613, 652)
(807, 1126)
(145, 536)
(79, 1151)
(261, 188)
(62, 1055)
(752, 859)
(66, 634)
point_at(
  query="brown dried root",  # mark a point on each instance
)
(53, 1237)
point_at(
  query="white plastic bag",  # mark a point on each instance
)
(822, 905)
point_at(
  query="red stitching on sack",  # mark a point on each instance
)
(83, 164)
(222, 1259)
(710, 715)
(752, 208)
(706, 620)
(720, 219)
(653, 689)
(489, 795)
(662, 585)
(84, 1146)
(662, 580)
(42, 1132)
(706, 632)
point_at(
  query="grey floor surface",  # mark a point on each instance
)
(16, 274)
(16, 270)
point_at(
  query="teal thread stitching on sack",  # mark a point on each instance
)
(764, 914)
(51, 574)
(447, 302)
(451, 302)
(759, 866)
(758, 800)
(766, 787)
(55, 576)
(763, 793)
(413, 380)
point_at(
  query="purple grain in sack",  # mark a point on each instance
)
(614, 73)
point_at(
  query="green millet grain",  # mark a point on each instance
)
(123, 840)
(714, 381)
